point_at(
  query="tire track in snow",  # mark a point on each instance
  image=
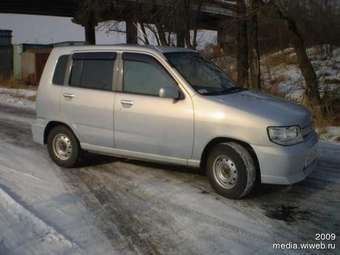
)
(36, 236)
(17, 172)
(12, 110)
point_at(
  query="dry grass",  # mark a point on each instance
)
(32, 98)
(232, 73)
(332, 81)
(12, 83)
(321, 119)
(227, 64)
(285, 57)
(274, 87)
(329, 116)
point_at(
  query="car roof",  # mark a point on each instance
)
(137, 48)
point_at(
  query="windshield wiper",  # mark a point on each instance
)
(225, 91)
(234, 89)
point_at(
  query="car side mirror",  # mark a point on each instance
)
(169, 92)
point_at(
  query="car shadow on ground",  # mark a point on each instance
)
(89, 159)
(96, 160)
(286, 204)
(92, 160)
(305, 188)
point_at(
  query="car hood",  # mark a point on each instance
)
(273, 109)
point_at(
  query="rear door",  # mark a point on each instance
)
(87, 101)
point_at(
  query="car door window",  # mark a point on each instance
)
(93, 70)
(60, 70)
(144, 75)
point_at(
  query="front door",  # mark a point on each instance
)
(145, 122)
(88, 100)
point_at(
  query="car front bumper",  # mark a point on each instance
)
(287, 164)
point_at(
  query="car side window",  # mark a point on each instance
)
(144, 75)
(92, 70)
(60, 70)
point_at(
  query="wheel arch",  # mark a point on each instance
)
(219, 140)
(53, 124)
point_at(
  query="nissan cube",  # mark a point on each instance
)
(170, 105)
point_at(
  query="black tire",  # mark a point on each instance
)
(238, 174)
(72, 158)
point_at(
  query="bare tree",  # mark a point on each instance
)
(242, 45)
(253, 43)
(278, 9)
(184, 19)
(144, 33)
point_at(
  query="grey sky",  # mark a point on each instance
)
(48, 29)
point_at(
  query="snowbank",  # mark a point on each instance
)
(282, 76)
(43, 239)
(330, 134)
(18, 97)
(279, 70)
(40, 214)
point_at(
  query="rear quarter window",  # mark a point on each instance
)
(60, 70)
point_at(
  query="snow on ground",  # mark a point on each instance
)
(279, 69)
(281, 75)
(18, 97)
(39, 215)
(15, 217)
(331, 134)
(112, 206)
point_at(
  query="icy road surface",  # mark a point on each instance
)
(115, 206)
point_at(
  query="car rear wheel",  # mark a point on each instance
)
(63, 147)
(231, 170)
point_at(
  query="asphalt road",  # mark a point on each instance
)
(144, 208)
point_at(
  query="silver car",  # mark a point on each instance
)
(173, 106)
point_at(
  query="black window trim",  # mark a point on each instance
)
(68, 70)
(68, 55)
(93, 55)
(141, 55)
(100, 55)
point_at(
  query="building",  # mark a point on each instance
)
(29, 59)
(6, 52)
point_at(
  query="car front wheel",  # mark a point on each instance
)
(231, 170)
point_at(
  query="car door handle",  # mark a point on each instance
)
(126, 103)
(68, 95)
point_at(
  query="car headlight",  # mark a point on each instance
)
(285, 135)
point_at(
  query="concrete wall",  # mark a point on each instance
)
(18, 52)
(28, 66)
(32, 65)
(17, 67)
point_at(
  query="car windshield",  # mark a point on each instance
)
(204, 76)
